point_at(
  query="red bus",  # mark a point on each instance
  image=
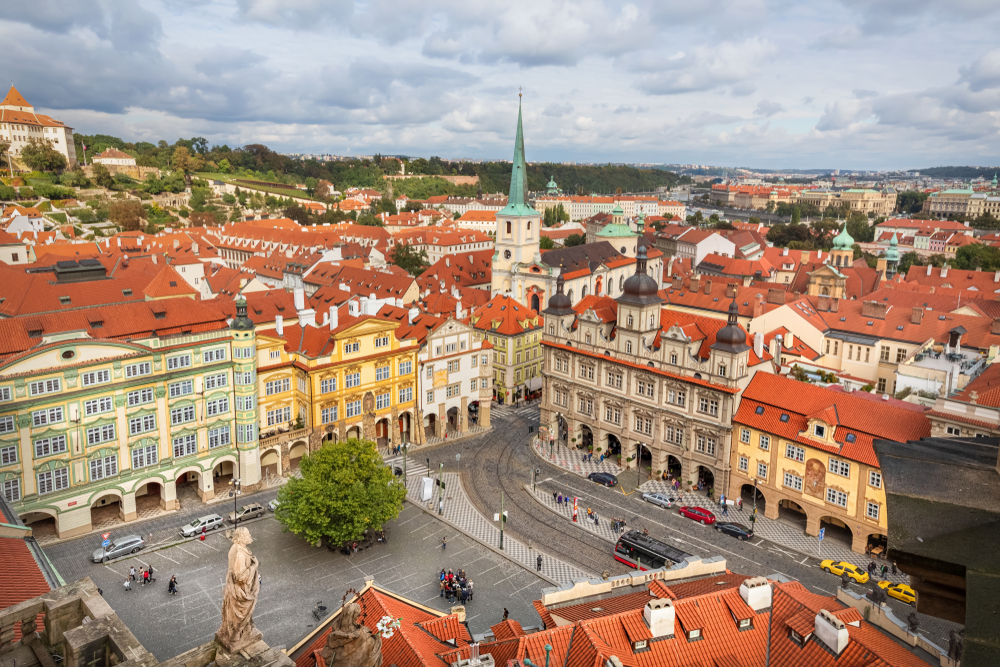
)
(642, 552)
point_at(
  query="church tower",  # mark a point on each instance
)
(245, 381)
(517, 232)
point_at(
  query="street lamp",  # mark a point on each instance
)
(440, 488)
(235, 483)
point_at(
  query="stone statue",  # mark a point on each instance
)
(878, 596)
(845, 581)
(956, 639)
(239, 596)
(912, 623)
(351, 644)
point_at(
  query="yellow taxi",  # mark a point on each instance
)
(899, 591)
(838, 568)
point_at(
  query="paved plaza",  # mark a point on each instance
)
(296, 577)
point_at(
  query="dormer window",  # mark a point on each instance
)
(819, 431)
(694, 635)
(745, 624)
(641, 644)
(798, 639)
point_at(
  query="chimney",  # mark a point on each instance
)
(447, 261)
(777, 351)
(352, 308)
(756, 593)
(660, 617)
(776, 296)
(334, 317)
(805, 256)
(834, 305)
(695, 284)
(670, 268)
(758, 344)
(874, 309)
(119, 239)
(996, 277)
(784, 252)
(929, 267)
(831, 631)
(154, 257)
(708, 286)
(279, 324)
(995, 327)
(412, 315)
(731, 290)
(194, 248)
(345, 287)
(300, 298)
(307, 317)
(177, 244)
(678, 282)
(819, 255)
(918, 314)
(944, 271)
(758, 305)
(789, 340)
(458, 310)
(823, 303)
(125, 261)
(326, 319)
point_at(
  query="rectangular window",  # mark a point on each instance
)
(795, 453)
(884, 356)
(182, 415)
(7, 424)
(144, 456)
(881, 386)
(54, 480)
(710, 446)
(215, 354)
(245, 402)
(352, 380)
(4, 394)
(873, 509)
(302, 385)
(450, 347)
(8, 455)
(181, 388)
(185, 445)
(97, 406)
(612, 414)
(586, 406)
(765, 442)
(245, 432)
(614, 380)
(406, 367)
(46, 446)
(762, 470)
(277, 386)
(142, 424)
(875, 479)
(216, 381)
(819, 431)
(793, 481)
(274, 354)
(101, 468)
(455, 366)
(12, 490)
(430, 395)
(745, 436)
(486, 360)
(140, 396)
(953, 430)
(245, 352)
(475, 358)
(328, 415)
(328, 385)
(45, 417)
(95, 377)
(383, 341)
(406, 394)
(900, 355)
(353, 409)
(180, 361)
(744, 463)
(383, 373)
(842, 468)
(218, 406)
(219, 437)
(836, 497)
(868, 351)
(135, 370)
(352, 347)
(45, 386)
(382, 401)
(279, 416)
(99, 434)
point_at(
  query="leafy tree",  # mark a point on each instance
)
(203, 219)
(410, 260)
(186, 162)
(754, 220)
(7, 193)
(859, 229)
(574, 239)
(907, 260)
(40, 155)
(26, 192)
(911, 202)
(345, 490)
(555, 215)
(978, 256)
(75, 178)
(370, 220)
(723, 224)
(413, 207)
(545, 243)
(298, 214)
(129, 215)
(228, 199)
(796, 216)
(102, 176)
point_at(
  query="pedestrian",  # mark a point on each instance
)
(465, 596)
(145, 577)
(555, 496)
(558, 498)
(441, 587)
(596, 521)
(100, 592)
(443, 574)
(447, 593)
(885, 569)
(131, 573)
(444, 543)
(471, 591)
(602, 458)
(461, 573)
(538, 563)
(894, 567)
(128, 583)
(505, 613)
(172, 586)
(152, 579)
(725, 510)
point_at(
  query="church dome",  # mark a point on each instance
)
(559, 304)
(615, 230)
(843, 240)
(551, 184)
(640, 288)
(731, 338)
(892, 254)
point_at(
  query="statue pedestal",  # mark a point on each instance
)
(257, 654)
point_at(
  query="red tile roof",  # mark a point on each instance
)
(168, 283)
(504, 315)
(462, 270)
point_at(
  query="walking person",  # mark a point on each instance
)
(538, 563)
(145, 577)
(442, 584)
(471, 591)
(128, 583)
(885, 569)
(131, 573)
(444, 543)
(152, 579)
(894, 571)
(465, 596)
(505, 613)
(172, 586)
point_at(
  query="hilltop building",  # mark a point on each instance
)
(19, 123)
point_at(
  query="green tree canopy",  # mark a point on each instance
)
(345, 490)
(859, 229)
(41, 156)
(978, 256)
(410, 260)
(545, 243)
(574, 239)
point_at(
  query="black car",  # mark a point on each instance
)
(603, 478)
(737, 530)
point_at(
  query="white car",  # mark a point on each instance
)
(660, 499)
(273, 505)
(208, 522)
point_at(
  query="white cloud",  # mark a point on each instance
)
(711, 67)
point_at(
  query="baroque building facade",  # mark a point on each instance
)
(616, 378)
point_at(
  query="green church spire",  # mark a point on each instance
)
(517, 201)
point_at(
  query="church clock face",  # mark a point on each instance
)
(506, 254)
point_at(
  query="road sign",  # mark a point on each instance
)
(822, 534)
(105, 536)
(106, 543)
(458, 457)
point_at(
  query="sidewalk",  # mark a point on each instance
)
(602, 529)
(785, 535)
(462, 514)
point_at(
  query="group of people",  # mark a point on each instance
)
(146, 575)
(618, 525)
(592, 516)
(455, 587)
(874, 569)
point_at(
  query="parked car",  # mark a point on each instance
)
(273, 505)
(660, 499)
(251, 511)
(208, 522)
(899, 591)
(840, 567)
(699, 514)
(737, 530)
(129, 544)
(603, 478)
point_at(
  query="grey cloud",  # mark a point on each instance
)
(983, 73)
(709, 67)
(842, 114)
(882, 17)
(743, 89)
(862, 94)
(294, 14)
(557, 110)
(808, 100)
(768, 109)
(219, 61)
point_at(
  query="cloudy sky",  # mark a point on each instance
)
(876, 84)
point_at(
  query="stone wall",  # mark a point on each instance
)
(454, 180)
(136, 172)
